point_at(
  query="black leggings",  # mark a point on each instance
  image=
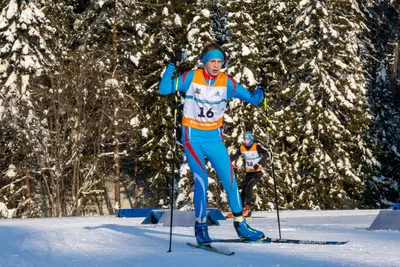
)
(247, 185)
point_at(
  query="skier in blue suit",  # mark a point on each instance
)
(207, 92)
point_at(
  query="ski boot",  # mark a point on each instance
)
(201, 233)
(244, 231)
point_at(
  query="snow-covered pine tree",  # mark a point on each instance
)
(24, 55)
(3, 4)
(219, 16)
(272, 24)
(13, 195)
(382, 43)
(199, 31)
(241, 47)
(323, 123)
(166, 24)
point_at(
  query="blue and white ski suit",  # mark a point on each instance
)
(205, 103)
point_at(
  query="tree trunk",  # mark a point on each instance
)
(50, 196)
(136, 194)
(116, 135)
(395, 66)
(28, 187)
(393, 74)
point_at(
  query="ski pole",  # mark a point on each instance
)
(271, 156)
(178, 72)
(173, 163)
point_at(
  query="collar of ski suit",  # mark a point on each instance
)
(208, 76)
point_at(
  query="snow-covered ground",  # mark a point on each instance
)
(110, 241)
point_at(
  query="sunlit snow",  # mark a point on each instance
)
(110, 241)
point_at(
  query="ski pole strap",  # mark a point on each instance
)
(175, 115)
(265, 101)
(176, 100)
(266, 113)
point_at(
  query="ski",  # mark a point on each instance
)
(277, 240)
(208, 247)
(247, 217)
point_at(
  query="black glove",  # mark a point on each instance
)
(176, 57)
(263, 81)
(256, 166)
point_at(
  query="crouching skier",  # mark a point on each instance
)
(206, 92)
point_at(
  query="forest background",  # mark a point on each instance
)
(83, 130)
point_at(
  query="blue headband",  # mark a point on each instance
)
(213, 54)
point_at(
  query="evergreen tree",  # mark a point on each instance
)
(273, 20)
(242, 48)
(219, 15)
(382, 65)
(324, 120)
(160, 43)
(24, 54)
(199, 31)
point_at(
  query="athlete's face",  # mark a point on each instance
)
(246, 141)
(213, 66)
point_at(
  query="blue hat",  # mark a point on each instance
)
(250, 136)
